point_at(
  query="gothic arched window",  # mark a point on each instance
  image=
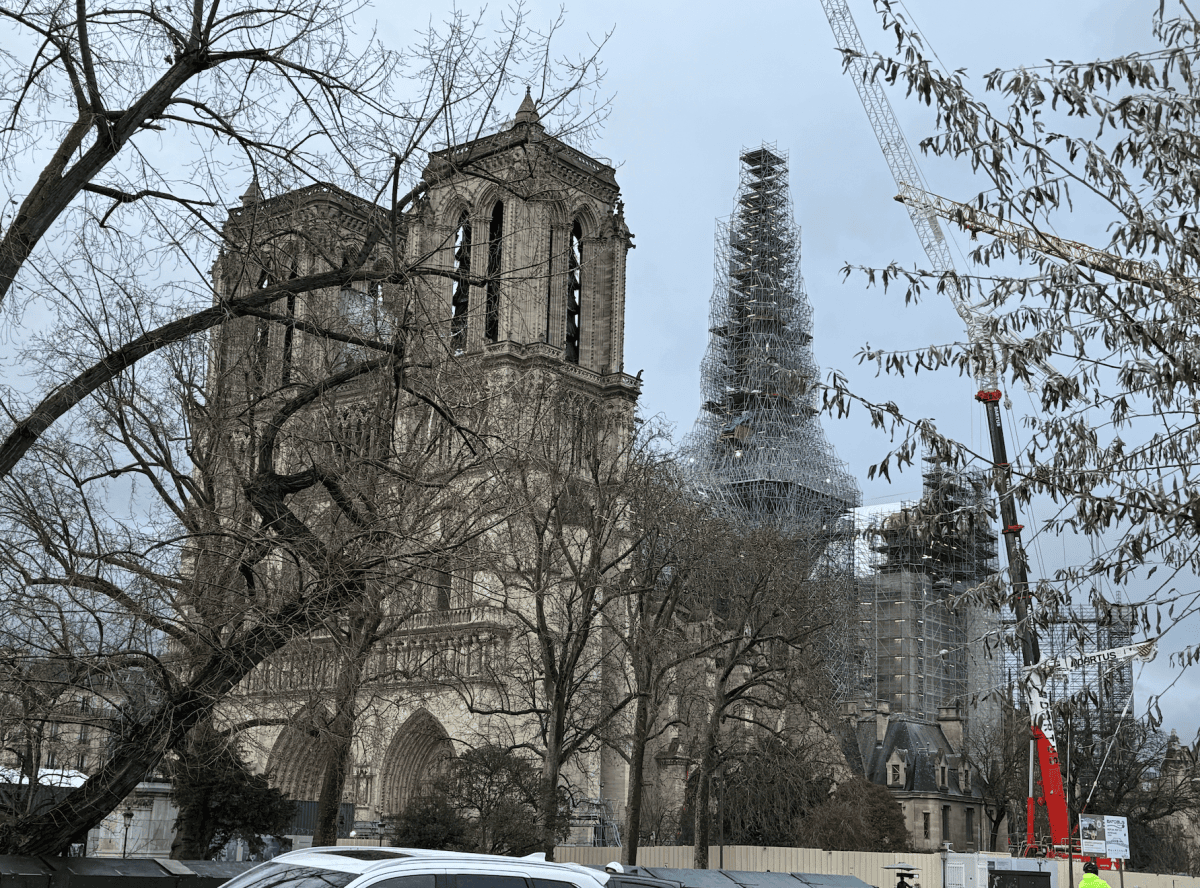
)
(574, 286)
(491, 327)
(460, 301)
(262, 337)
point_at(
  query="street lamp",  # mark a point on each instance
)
(127, 816)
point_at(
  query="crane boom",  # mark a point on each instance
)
(1023, 237)
(1037, 675)
(925, 220)
(1143, 650)
(904, 170)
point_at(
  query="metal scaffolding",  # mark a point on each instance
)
(757, 447)
(1100, 693)
(926, 650)
(757, 450)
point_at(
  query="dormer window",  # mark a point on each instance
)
(942, 771)
(895, 774)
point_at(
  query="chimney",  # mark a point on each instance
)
(881, 722)
(864, 728)
(951, 724)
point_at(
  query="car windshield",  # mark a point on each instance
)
(281, 875)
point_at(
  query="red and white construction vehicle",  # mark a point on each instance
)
(1042, 723)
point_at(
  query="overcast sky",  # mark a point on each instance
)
(695, 82)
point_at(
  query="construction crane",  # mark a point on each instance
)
(925, 221)
(923, 210)
(1023, 237)
(1042, 722)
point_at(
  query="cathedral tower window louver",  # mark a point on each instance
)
(460, 302)
(495, 265)
(574, 290)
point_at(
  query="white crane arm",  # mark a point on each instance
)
(904, 170)
(1023, 237)
(1145, 650)
(1038, 674)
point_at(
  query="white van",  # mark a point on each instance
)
(370, 867)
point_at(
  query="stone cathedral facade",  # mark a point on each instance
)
(517, 250)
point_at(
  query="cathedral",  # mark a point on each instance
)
(497, 298)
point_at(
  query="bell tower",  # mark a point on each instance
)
(509, 272)
(526, 239)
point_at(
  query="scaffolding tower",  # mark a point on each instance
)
(757, 446)
(926, 647)
(757, 451)
(1100, 694)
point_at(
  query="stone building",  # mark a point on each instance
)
(921, 764)
(511, 301)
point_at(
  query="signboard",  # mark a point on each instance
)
(1116, 834)
(1103, 836)
(1091, 836)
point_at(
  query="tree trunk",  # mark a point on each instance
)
(708, 765)
(549, 814)
(994, 832)
(52, 831)
(340, 731)
(637, 759)
(702, 821)
(337, 765)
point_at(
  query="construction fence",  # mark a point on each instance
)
(934, 870)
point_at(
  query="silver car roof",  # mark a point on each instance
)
(400, 859)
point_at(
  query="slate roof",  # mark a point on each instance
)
(919, 745)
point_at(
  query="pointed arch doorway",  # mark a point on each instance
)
(417, 755)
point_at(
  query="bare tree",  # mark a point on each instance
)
(296, 99)
(1126, 772)
(766, 786)
(761, 617)
(241, 536)
(198, 516)
(44, 729)
(652, 619)
(558, 562)
(997, 756)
